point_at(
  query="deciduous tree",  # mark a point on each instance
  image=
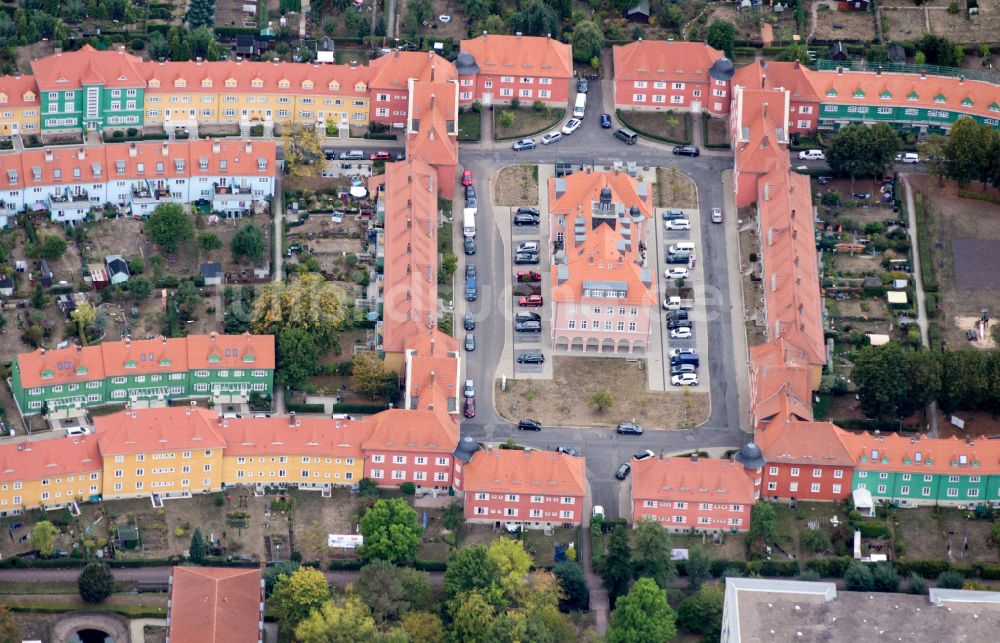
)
(345, 621)
(642, 615)
(209, 241)
(303, 153)
(53, 247)
(298, 358)
(702, 612)
(651, 553)
(95, 582)
(249, 242)
(763, 530)
(296, 595)
(587, 39)
(576, 596)
(722, 35)
(169, 226)
(139, 288)
(471, 569)
(391, 532)
(966, 148)
(698, 568)
(617, 567)
(536, 19)
(423, 627)
(370, 378)
(390, 591)
(9, 632)
(308, 302)
(42, 536)
(85, 317)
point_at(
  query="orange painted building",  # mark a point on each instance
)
(432, 129)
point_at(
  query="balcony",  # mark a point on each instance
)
(69, 199)
(148, 193)
(234, 190)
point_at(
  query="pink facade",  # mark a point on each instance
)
(494, 68)
(389, 106)
(427, 469)
(601, 324)
(502, 88)
(683, 515)
(708, 95)
(537, 510)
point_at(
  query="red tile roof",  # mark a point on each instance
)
(766, 74)
(33, 460)
(805, 443)
(525, 472)
(163, 429)
(317, 436)
(409, 287)
(894, 452)
(88, 66)
(393, 71)
(216, 605)
(780, 382)
(18, 91)
(521, 55)
(230, 351)
(662, 60)
(432, 123)
(256, 77)
(432, 370)
(417, 431)
(692, 480)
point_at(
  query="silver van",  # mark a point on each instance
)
(626, 135)
(352, 155)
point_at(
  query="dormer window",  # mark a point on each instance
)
(334, 85)
(885, 95)
(180, 82)
(130, 363)
(179, 165)
(940, 98)
(230, 82)
(913, 96)
(57, 174)
(81, 370)
(29, 97)
(36, 173)
(153, 82)
(213, 358)
(223, 165)
(307, 84)
(3, 98)
(140, 168)
(165, 362)
(203, 163)
(247, 357)
(120, 167)
(360, 87)
(283, 83)
(262, 163)
(12, 177)
(967, 102)
(994, 107)
(159, 167)
(76, 172)
(207, 82)
(859, 93)
(96, 169)
(46, 374)
(256, 83)
(831, 92)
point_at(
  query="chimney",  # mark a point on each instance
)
(694, 458)
(165, 150)
(216, 147)
(765, 111)
(249, 147)
(878, 70)
(291, 418)
(518, 35)
(961, 79)
(121, 49)
(43, 352)
(212, 335)
(763, 80)
(923, 74)
(79, 349)
(797, 64)
(840, 71)
(132, 150)
(81, 154)
(48, 156)
(397, 53)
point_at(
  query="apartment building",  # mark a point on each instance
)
(805, 460)
(432, 371)
(604, 290)
(432, 129)
(693, 494)
(52, 473)
(496, 69)
(389, 82)
(655, 75)
(226, 367)
(411, 446)
(19, 105)
(804, 102)
(530, 489)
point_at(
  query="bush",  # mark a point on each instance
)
(408, 488)
(915, 584)
(859, 578)
(926, 568)
(138, 44)
(872, 529)
(96, 583)
(950, 579)
(816, 541)
(538, 106)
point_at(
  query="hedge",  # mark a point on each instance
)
(562, 115)
(299, 407)
(131, 611)
(872, 529)
(361, 409)
(924, 245)
(926, 568)
(232, 32)
(826, 567)
(338, 565)
(430, 565)
(380, 137)
(774, 567)
(979, 196)
(704, 137)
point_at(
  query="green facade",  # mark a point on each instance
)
(92, 107)
(833, 115)
(965, 485)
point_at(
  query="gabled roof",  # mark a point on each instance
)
(256, 77)
(393, 70)
(772, 75)
(804, 443)
(432, 122)
(318, 436)
(895, 452)
(35, 460)
(419, 431)
(432, 370)
(158, 429)
(662, 60)
(88, 66)
(409, 287)
(521, 55)
(529, 472)
(60, 366)
(18, 91)
(145, 356)
(230, 351)
(216, 605)
(692, 480)
(780, 382)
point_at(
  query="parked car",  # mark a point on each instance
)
(562, 448)
(673, 214)
(606, 121)
(862, 195)
(598, 510)
(679, 257)
(470, 191)
(467, 177)
(529, 425)
(677, 314)
(527, 246)
(470, 245)
(529, 326)
(444, 19)
(528, 276)
(470, 342)
(686, 150)
(470, 407)
(642, 455)
(716, 215)
(682, 332)
(677, 352)
(470, 322)
(812, 155)
(470, 270)
(531, 358)
(623, 471)
(823, 180)
(524, 144)
(526, 258)
(679, 323)
(582, 85)
(908, 157)
(533, 301)
(527, 315)
(526, 218)
(381, 155)
(675, 273)
(684, 379)
(677, 224)
(551, 137)
(401, 156)
(470, 202)
(629, 428)
(571, 126)
(352, 155)
(680, 369)
(470, 389)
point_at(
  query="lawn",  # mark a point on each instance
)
(469, 125)
(565, 399)
(542, 546)
(927, 531)
(666, 126)
(674, 189)
(716, 132)
(516, 185)
(793, 524)
(527, 121)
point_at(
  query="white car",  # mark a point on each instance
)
(571, 126)
(675, 273)
(812, 155)
(598, 511)
(677, 224)
(551, 137)
(470, 389)
(684, 379)
(527, 246)
(444, 19)
(680, 333)
(716, 215)
(677, 352)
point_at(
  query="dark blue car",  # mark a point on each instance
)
(606, 121)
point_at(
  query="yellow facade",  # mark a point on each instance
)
(302, 470)
(18, 118)
(49, 492)
(231, 108)
(167, 473)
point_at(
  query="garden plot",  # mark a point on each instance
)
(926, 533)
(909, 22)
(853, 26)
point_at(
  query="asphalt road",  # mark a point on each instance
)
(603, 448)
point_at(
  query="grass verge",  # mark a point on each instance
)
(527, 121)
(669, 127)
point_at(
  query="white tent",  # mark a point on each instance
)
(863, 501)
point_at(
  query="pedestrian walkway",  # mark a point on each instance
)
(137, 627)
(599, 603)
(737, 306)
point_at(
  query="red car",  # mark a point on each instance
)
(530, 301)
(467, 177)
(381, 155)
(528, 276)
(470, 407)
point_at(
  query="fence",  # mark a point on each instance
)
(906, 68)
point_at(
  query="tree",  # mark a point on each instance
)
(9, 632)
(423, 627)
(474, 620)
(886, 379)
(298, 358)
(763, 527)
(477, 9)
(795, 52)
(390, 592)
(203, 43)
(702, 612)
(209, 241)
(916, 584)
(858, 578)
(510, 558)
(38, 297)
(642, 615)
(344, 622)
(507, 118)
(249, 242)
(966, 149)
(168, 226)
(187, 299)
(698, 568)
(296, 595)
(471, 569)
(617, 567)
(950, 579)
(139, 288)
(369, 376)
(858, 150)
(275, 571)
(651, 553)
(308, 302)
(391, 532)
(932, 153)
(885, 578)
(196, 552)
(85, 316)
(537, 19)
(937, 50)
(95, 582)
(157, 46)
(602, 400)
(588, 40)
(816, 541)
(493, 24)
(722, 35)
(42, 536)
(576, 596)
(53, 247)
(302, 152)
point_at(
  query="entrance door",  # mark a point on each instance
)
(488, 98)
(696, 106)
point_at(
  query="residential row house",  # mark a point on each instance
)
(233, 176)
(497, 69)
(604, 288)
(226, 368)
(19, 105)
